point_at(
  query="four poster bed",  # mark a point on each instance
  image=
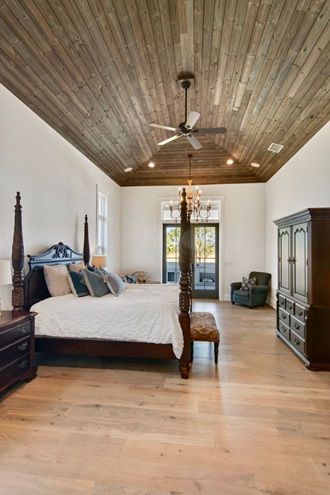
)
(31, 292)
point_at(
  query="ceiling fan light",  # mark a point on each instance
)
(230, 161)
(128, 169)
(151, 165)
(255, 165)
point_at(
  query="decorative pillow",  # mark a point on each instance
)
(140, 277)
(77, 284)
(115, 284)
(95, 284)
(56, 277)
(129, 279)
(248, 282)
(77, 267)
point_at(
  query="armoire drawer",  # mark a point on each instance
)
(300, 312)
(297, 342)
(290, 306)
(284, 316)
(281, 301)
(284, 329)
(298, 327)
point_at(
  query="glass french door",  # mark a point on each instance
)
(204, 259)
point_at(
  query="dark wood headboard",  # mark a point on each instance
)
(31, 289)
(35, 288)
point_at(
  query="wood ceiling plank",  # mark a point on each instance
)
(79, 74)
(282, 76)
(89, 31)
(278, 125)
(273, 54)
(231, 118)
(317, 105)
(101, 72)
(219, 13)
(55, 79)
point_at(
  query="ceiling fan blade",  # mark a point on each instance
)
(169, 139)
(163, 127)
(192, 119)
(194, 142)
(211, 130)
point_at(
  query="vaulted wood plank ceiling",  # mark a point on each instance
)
(100, 71)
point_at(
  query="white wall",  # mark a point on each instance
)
(57, 184)
(303, 182)
(243, 229)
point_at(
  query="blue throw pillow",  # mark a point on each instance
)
(95, 284)
(77, 284)
(130, 279)
(115, 284)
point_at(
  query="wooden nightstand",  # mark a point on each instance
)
(17, 360)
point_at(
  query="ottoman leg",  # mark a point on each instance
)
(191, 351)
(216, 352)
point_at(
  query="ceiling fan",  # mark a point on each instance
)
(186, 128)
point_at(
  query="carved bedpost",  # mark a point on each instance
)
(185, 287)
(18, 258)
(86, 242)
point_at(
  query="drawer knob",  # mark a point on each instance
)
(22, 347)
(297, 342)
(290, 307)
(283, 316)
(24, 330)
(300, 313)
(297, 326)
(23, 364)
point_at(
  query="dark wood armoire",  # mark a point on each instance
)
(303, 296)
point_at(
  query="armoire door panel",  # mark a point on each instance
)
(284, 253)
(299, 260)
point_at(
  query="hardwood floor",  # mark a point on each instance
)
(257, 424)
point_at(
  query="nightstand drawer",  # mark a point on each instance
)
(284, 316)
(14, 370)
(14, 351)
(298, 327)
(297, 342)
(284, 329)
(15, 333)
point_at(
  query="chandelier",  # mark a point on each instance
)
(197, 210)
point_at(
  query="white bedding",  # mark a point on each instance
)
(142, 313)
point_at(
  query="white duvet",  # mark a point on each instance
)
(142, 313)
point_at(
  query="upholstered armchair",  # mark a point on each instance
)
(256, 295)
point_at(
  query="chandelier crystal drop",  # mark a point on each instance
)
(197, 210)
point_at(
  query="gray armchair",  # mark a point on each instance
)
(256, 295)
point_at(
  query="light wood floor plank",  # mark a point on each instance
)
(259, 423)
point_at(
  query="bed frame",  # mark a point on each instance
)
(32, 288)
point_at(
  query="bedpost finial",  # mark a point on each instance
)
(86, 219)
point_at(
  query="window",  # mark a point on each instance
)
(102, 213)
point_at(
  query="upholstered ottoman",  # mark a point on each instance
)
(203, 328)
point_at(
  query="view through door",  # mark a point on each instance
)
(205, 258)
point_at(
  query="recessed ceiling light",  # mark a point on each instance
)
(128, 169)
(255, 164)
(275, 148)
(230, 161)
(151, 165)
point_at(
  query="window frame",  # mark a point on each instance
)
(101, 223)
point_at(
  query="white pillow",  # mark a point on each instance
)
(77, 267)
(56, 277)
